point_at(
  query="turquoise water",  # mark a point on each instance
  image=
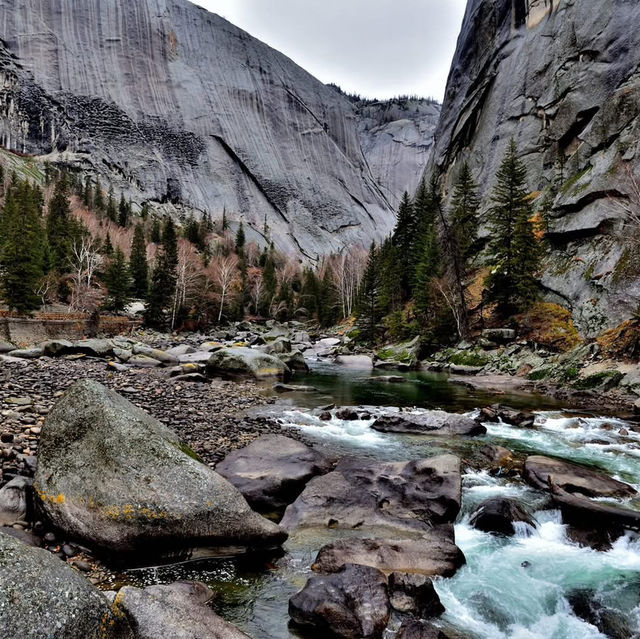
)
(511, 588)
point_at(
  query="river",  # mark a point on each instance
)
(510, 588)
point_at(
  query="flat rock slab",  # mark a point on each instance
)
(41, 596)
(390, 498)
(272, 471)
(573, 478)
(114, 477)
(176, 611)
(434, 553)
(353, 603)
(434, 422)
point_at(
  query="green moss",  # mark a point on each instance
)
(573, 180)
(188, 451)
(539, 374)
(588, 274)
(608, 379)
(469, 358)
(571, 373)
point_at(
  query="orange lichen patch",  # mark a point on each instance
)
(622, 342)
(54, 499)
(539, 226)
(549, 325)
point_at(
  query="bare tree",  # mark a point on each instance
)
(256, 291)
(347, 270)
(188, 276)
(224, 271)
(85, 261)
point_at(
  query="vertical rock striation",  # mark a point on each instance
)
(561, 76)
(181, 108)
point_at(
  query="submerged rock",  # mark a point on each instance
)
(272, 471)
(434, 422)
(573, 478)
(609, 622)
(114, 477)
(176, 611)
(353, 603)
(246, 362)
(40, 596)
(499, 514)
(383, 497)
(433, 553)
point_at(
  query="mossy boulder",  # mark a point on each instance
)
(246, 362)
(113, 477)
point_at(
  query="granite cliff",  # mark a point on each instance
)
(180, 108)
(562, 77)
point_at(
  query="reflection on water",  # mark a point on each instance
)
(511, 588)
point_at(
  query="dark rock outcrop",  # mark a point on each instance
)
(434, 422)
(562, 78)
(272, 471)
(40, 596)
(103, 477)
(353, 603)
(415, 594)
(413, 629)
(573, 478)
(498, 515)
(433, 553)
(392, 498)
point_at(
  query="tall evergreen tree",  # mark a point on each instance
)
(225, 221)
(98, 198)
(22, 247)
(161, 289)
(87, 193)
(393, 277)
(170, 244)
(112, 211)
(404, 239)
(124, 212)
(138, 265)
(60, 228)
(240, 239)
(107, 246)
(118, 282)
(514, 249)
(156, 231)
(368, 310)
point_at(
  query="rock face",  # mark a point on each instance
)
(180, 108)
(434, 553)
(40, 596)
(102, 477)
(246, 362)
(353, 603)
(391, 497)
(272, 471)
(178, 611)
(435, 422)
(563, 80)
(573, 478)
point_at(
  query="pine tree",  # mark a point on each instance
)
(124, 212)
(59, 228)
(138, 265)
(107, 247)
(156, 231)
(427, 269)
(118, 281)
(392, 277)
(225, 222)
(163, 282)
(112, 211)
(170, 244)
(404, 238)
(368, 311)
(144, 211)
(240, 239)
(98, 198)
(270, 281)
(22, 248)
(87, 193)
(514, 250)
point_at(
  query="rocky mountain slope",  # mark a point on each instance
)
(181, 108)
(562, 77)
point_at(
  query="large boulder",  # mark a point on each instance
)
(176, 611)
(415, 629)
(295, 361)
(382, 498)
(353, 603)
(155, 353)
(499, 514)
(6, 347)
(94, 347)
(434, 553)
(433, 422)
(272, 471)
(41, 597)
(415, 594)
(357, 362)
(14, 500)
(573, 478)
(114, 477)
(246, 362)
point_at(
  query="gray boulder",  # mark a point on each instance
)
(143, 361)
(27, 353)
(434, 422)
(6, 347)
(279, 346)
(56, 347)
(14, 500)
(155, 353)
(246, 362)
(384, 498)
(41, 597)
(295, 361)
(94, 347)
(102, 477)
(499, 514)
(272, 471)
(415, 594)
(573, 478)
(176, 611)
(353, 603)
(433, 553)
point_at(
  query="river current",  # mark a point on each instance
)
(521, 587)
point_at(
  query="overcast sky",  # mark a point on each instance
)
(377, 48)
